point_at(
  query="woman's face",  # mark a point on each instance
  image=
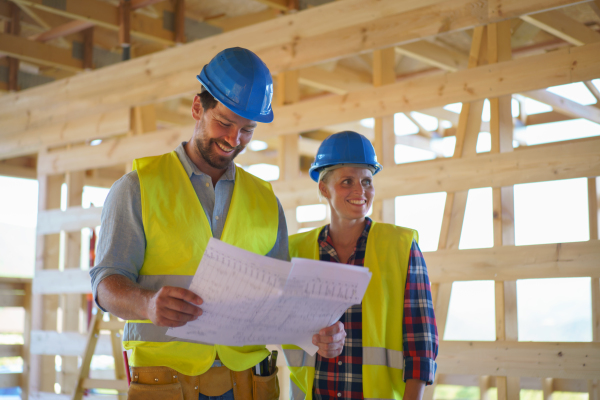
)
(350, 192)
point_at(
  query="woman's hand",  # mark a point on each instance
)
(330, 340)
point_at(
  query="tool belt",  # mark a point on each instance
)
(164, 383)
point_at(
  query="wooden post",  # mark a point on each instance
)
(71, 304)
(88, 48)
(143, 119)
(13, 28)
(125, 28)
(288, 156)
(180, 21)
(44, 307)
(384, 73)
(25, 352)
(501, 129)
(594, 384)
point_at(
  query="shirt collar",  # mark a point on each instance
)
(191, 168)
(324, 235)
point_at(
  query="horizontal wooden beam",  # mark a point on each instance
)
(58, 282)
(53, 343)
(339, 81)
(560, 385)
(10, 380)
(540, 360)
(62, 30)
(434, 55)
(12, 300)
(38, 53)
(33, 140)
(508, 263)
(524, 74)
(564, 105)
(290, 42)
(73, 219)
(114, 384)
(11, 350)
(561, 25)
(564, 160)
(104, 14)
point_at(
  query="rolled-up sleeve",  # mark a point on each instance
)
(420, 337)
(122, 242)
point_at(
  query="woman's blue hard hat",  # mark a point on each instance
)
(241, 81)
(344, 148)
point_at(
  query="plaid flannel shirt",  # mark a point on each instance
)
(341, 377)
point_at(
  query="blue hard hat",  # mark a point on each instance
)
(344, 148)
(240, 80)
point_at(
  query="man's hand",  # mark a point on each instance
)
(330, 340)
(170, 306)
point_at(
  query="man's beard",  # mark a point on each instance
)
(205, 147)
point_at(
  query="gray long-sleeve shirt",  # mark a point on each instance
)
(122, 242)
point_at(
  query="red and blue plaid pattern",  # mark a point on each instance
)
(341, 377)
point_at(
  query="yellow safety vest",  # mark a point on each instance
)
(177, 233)
(388, 251)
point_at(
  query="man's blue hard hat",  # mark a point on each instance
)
(240, 80)
(344, 148)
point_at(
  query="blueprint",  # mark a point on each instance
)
(252, 299)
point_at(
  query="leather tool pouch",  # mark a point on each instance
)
(154, 383)
(265, 387)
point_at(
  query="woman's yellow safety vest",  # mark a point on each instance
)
(388, 251)
(177, 233)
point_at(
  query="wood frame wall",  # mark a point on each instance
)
(58, 120)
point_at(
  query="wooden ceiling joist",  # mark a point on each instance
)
(68, 28)
(105, 15)
(561, 25)
(564, 105)
(39, 53)
(289, 42)
(435, 55)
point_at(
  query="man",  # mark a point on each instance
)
(156, 223)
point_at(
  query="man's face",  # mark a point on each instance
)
(220, 134)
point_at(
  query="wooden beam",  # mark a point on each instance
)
(68, 28)
(435, 55)
(9, 380)
(10, 350)
(540, 360)
(120, 385)
(38, 53)
(88, 49)
(290, 42)
(561, 25)
(594, 90)
(66, 343)
(73, 219)
(564, 160)
(339, 81)
(68, 281)
(179, 21)
(530, 73)
(105, 15)
(508, 263)
(564, 105)
(33, 140)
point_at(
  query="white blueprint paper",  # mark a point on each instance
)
(253, 299)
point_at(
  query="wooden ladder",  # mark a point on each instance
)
(84, 381)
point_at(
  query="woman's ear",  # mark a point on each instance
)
(324, 190)
(197, 110)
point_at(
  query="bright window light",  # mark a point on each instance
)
(454, 107)
(257, 145)
(407, 154)
(305, 230)
(427, 121)
(19, 208)
(551, 212)
(423, 212)
(534, 107)
(485, 114)
(93, 196)
(478, 224)
(95, 142)
(514, 108)
(444, 145)
(484, 142)
(368, 122)
(403, 125)
(576, 92)
(471, 313)
(313, 212)
(445, 124)
(266, 172)
(554, 310)
(559, 131)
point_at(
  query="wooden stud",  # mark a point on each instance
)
(484, 387)
(88, 48)
(561, 25)
(13, 28)
(180, 21)
(44, 307)
(125, 27)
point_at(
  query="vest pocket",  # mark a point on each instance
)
(265, 387)
(140, 391)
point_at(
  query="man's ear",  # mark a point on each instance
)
(197, 110)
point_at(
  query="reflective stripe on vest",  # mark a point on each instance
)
(177, 232)
(371, 356)
(295, 392)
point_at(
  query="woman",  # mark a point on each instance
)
(392, 336)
